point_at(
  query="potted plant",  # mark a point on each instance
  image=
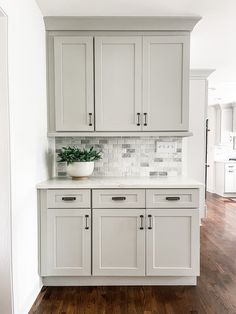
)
(80, 163)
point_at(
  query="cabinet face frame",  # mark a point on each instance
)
(193, 216)
(87, 122)
(98, 215)
(183, 124)
(52, 242)
(103, 122)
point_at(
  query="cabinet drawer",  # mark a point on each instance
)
(68, 199)
(230, 167)
(172, 198)
(119, 198)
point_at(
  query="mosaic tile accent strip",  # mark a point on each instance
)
(127, 156)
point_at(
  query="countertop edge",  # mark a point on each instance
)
(178, 182)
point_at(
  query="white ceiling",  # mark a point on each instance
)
(213, 43)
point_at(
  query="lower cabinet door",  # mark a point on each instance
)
(119, 242)
(172, 242)
(69, 242)
(230, 180)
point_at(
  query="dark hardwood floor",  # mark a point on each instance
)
(214, 294)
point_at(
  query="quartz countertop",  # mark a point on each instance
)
(226, 161)
(120, 182)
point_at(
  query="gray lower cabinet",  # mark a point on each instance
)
(119, 242)
(68, 242)
(172, 242)
(122, 239)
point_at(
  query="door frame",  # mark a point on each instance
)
(6, 285)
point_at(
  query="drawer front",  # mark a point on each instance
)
(230, 166)
(118, 198)
(68, 199)
(172, 198)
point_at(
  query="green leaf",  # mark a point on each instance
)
(74, 154)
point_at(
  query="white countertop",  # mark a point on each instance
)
(120, 182)
(226, 161)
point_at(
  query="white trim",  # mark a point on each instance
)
(6, 284)
(120, 281)
(31, 298)
(119, 23)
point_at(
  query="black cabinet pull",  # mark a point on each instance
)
(90, 119)
(145, 118)
(172, 198)
(141, 223)
(118, 198)
(138, 114)
(150, 222)
(68, 198)
(86, 222)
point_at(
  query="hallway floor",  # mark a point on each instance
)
(214, 294)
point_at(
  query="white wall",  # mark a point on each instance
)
(5, 185)
(27, 98)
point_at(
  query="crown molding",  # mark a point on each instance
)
(200, 73)
(121, 23)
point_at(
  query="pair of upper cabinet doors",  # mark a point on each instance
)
(121, 83)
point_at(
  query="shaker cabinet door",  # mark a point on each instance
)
(118, 242)
(165, 83)
(68, 242)
(74, 103)
(230, 181)
(118, 83)
(172, 242)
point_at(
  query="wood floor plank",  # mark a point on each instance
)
(214, 294)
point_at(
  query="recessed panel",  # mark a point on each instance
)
(118, 242)
(69, 242)
(172, 242)
(74, 83)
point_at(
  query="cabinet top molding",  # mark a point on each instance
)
(121, 23)
(200, 73)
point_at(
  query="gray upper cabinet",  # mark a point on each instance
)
(127, 68)
(119, 74)
(118, 83)
(165, 83)
(73, 63)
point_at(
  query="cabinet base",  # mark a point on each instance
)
(120, 281)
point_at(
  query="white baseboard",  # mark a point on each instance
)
(120, 281)
(30, 299)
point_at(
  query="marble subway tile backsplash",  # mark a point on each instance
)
(127, 156)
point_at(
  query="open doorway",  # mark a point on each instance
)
(6, 296)
(222, 149)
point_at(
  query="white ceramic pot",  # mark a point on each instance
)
(78, 170)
